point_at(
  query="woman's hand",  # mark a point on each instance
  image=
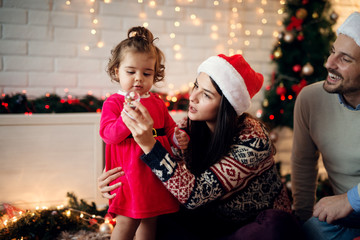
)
(140, 124)
(107, 177)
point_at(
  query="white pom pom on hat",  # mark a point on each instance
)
(351, 27)
(236, 79)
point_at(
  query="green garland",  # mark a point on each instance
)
(48, 224)
(50, 103)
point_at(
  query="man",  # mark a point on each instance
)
(327, 122)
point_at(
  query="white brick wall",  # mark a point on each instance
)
(42, 41)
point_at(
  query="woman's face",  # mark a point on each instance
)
(204, 101)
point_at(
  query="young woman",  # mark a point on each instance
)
(230, 176)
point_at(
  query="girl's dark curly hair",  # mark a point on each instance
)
(139, 40)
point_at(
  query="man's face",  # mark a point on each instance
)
(343, 67)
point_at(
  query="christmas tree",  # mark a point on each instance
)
(299, 54)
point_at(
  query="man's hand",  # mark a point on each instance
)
(332, 208)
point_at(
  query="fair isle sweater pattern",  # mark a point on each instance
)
(243, 183)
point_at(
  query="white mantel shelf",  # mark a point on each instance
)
(44, 156)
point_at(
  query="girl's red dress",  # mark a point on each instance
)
(142, 194)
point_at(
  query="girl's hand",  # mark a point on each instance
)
(140, 124)
(181, 138)
(106, 178)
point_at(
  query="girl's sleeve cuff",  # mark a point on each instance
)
(354, 197)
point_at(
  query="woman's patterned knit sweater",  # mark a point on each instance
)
(235, 189)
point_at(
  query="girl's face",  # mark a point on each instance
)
(136, 72)
(204, 101)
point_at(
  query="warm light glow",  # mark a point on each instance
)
(261, 10)
(177, 47)
(107, 1)
(263, 2)
(214, 28)
(100, 44)
(247, 32)
(234, 10)
(68, 2)
(159, 12)
(264, 21)
(90, 92)
(247, 43)
(171, 86)
(174, 99)
(142, 15)
(177, 9)
(193, 16)
(239, 25)
(152, 3)
(93, 31)
(172, 35)
(177, 24)
(140, 1)
(280, 11)
(214, 36)
(239, 51)
(66, 90)
(92, 10)
(216, 3)
(95, 21)
(178, 56)
(81, 215)
(275, 34)
(145, 24)
(279, 23)
(232, 34)
(259, 32)
(86, 48)
(282, 2)
(68, 213)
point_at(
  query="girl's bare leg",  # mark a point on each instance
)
(125, 228)
(146, 229)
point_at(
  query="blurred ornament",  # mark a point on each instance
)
(278, 53)
(265, 103)
(304, 2)
(130, 97)
(274, 136)
(289, 37)
(106, 227)
(281, 90)
(307, 69)
(298, 87)
(315, 15)
(301, 13)
(280, 35)
(294, 23)
(300, 37)
(297, 68)
(334, 16)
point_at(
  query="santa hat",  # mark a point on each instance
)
(236, 79)
(351, 27)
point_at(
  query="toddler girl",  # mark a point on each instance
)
(136, 63)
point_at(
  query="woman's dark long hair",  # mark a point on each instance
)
(206, 148)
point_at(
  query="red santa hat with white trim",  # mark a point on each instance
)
(351, 27)
(236, 79)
